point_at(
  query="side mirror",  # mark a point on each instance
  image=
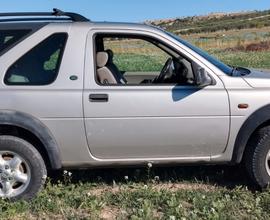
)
(203, 79)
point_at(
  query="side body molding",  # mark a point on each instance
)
(257, 119)
(33, 125)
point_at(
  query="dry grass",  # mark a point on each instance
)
(229, 39)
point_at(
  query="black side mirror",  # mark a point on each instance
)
(203, 79)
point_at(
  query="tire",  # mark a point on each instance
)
(22, 169)
(257, 158)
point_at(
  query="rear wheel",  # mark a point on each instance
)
(22, 169)
(257, 157)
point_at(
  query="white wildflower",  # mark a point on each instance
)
(172, 217)
(156, 178)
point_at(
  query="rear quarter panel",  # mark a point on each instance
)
(58, 105)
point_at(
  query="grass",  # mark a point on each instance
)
(245, 59)
(150, 193)
(140, 63)
(258, 59)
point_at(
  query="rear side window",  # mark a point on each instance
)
(40, 65)
(8, 38)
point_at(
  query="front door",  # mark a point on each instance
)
(153, 109)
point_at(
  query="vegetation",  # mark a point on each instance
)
(143, 63)
(247, 48)
(216, 22)
(150, 193)
(260, 60)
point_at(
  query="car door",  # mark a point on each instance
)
(151, 121)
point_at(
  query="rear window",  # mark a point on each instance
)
(40, 65)
(8, 38)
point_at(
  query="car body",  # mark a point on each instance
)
(74, 121)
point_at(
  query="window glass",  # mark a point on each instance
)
(40, 65)
(222, 66)
(10, 37)
(136, 55)
(133, 60)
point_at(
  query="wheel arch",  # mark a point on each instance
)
(39, 132)
(255, 121)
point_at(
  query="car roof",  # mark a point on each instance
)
(60, 18)
(116, 25)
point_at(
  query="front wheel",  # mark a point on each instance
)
(22, 169)
(257, 157)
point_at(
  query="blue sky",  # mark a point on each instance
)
(136, 10)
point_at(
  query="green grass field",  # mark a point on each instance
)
(259, 60)
(156, 193)
(245, 59)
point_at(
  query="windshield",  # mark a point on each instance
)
(223, 67)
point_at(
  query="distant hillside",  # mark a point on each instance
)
(215, 22)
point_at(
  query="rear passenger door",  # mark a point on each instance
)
(140, 120)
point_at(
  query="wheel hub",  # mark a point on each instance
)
(14, 174)
(6, 175)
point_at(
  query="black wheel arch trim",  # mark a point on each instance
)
(35, 126)
(255, 120)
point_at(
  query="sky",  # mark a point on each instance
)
(135, 10)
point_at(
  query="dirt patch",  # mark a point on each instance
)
(98, 191)
(260, 46)
(110, 213)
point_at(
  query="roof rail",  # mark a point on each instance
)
(43, 16)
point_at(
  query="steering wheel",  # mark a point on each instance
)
(165, 70)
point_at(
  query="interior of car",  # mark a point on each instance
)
(121, 60)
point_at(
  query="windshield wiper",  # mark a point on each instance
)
(234, 68)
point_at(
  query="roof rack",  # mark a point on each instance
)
(44, 16)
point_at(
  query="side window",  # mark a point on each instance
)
(10, 37)
(40, 65)
(134, 60)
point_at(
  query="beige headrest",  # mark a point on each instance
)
(102, 59)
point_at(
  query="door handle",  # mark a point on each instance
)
(98, 97)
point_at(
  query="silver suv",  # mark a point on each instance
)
(80, 94)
